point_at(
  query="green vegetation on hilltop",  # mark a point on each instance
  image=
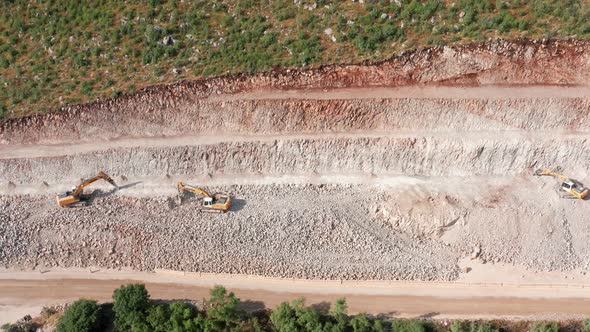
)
(66, 51)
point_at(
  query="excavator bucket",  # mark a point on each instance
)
(540, 172)
(108, 179)
(549, 171)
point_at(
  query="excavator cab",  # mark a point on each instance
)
(207, 201)
(574, 188)
(567, 185)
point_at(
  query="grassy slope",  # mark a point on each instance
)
(65, 51)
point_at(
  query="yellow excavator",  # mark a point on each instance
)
(570, 186)
(211, 203)
(76, 195)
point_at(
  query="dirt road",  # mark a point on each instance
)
(416, 92)
(27, 292)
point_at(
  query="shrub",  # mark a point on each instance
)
(86, 88)
(361, 323)
(222, 310)
(461, 326)
(130, 304)
(285, 316)
(182, 318)
(158, 317)
(80, 316)
(18, 327)
(546, 327)
(408, 325)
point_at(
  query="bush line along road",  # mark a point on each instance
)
(416, 169)
(132, 310)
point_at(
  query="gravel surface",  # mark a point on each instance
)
(404, 232)
(323, 232)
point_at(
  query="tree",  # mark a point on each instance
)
(339, 313)
(308, 319)
(546, 327)
(182, 318)
(18, 327)
(222, 310)
(158, 316)
(283, 318)
(459, 326)
(361, 323)
(130, 304)
(80, 316)
(294, 316)
(408, 325)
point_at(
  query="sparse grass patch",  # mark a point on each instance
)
(66, 43)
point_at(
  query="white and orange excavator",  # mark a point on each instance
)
(76, 195)
(573, 188)
(211, 203)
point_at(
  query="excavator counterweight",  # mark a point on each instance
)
(572, 187)
(211, 203)
(69, 198)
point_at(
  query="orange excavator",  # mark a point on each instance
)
(76, 195)
(573, 188)
(211, 203)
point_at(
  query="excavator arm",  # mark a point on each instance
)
(551, 173)
(185, 187)
(101, 175)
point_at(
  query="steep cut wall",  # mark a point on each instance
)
(295, 116)
(405, 156)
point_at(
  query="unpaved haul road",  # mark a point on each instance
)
(60, 150)
(27, 292)
(417, 92)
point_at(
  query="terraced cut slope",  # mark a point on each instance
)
(396, 171)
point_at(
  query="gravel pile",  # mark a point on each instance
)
(321, 232)
(307, 231)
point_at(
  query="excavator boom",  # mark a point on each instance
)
(75, 196)
(182, 187)
(551, 173)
